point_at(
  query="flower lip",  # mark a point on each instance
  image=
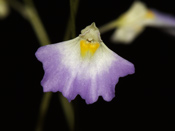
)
(68, 73)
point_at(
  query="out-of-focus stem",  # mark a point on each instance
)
(36, 23)
(68, 32)
(29, 12)
(108, 26)
(72, 16)
(43, 110)
(18, 7)
(42, 36)
(68, 112)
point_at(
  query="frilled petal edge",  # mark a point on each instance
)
(66, 72)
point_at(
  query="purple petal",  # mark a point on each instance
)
(162, 19)
(54, 74)
(107, 80)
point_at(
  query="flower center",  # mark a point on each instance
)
(149, 14)
(88, 47)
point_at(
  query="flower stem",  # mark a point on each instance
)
(69, 24)
(68, 112)
(29, 12)
(72, 10)
(108, 26)
(43, 110)
(42, 36)
(36, 23)
(18, 7)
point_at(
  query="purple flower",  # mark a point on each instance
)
(84, 66)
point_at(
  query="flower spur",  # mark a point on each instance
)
(84, 66)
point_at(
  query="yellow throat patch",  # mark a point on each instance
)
(149, 14)
(87, 47)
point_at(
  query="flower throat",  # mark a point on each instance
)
(88, 47)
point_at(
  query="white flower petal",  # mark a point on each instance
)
(126, 34)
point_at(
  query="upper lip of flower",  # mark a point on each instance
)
(93, 31)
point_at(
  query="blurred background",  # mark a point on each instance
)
(144, 100)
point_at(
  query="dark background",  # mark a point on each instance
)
(144, 100)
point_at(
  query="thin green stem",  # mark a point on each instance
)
(69, 24)
(43, 110)
(36, 23)
(72, 15)
(68, 112)
(108, 26)
(29, 12)
(42, 36)
(18, 7)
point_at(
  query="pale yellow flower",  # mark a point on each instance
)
(131, 23)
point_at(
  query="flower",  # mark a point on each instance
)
(84, 66)
(130, 24)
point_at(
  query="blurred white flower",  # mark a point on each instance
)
(130, 24)
(4, 9)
